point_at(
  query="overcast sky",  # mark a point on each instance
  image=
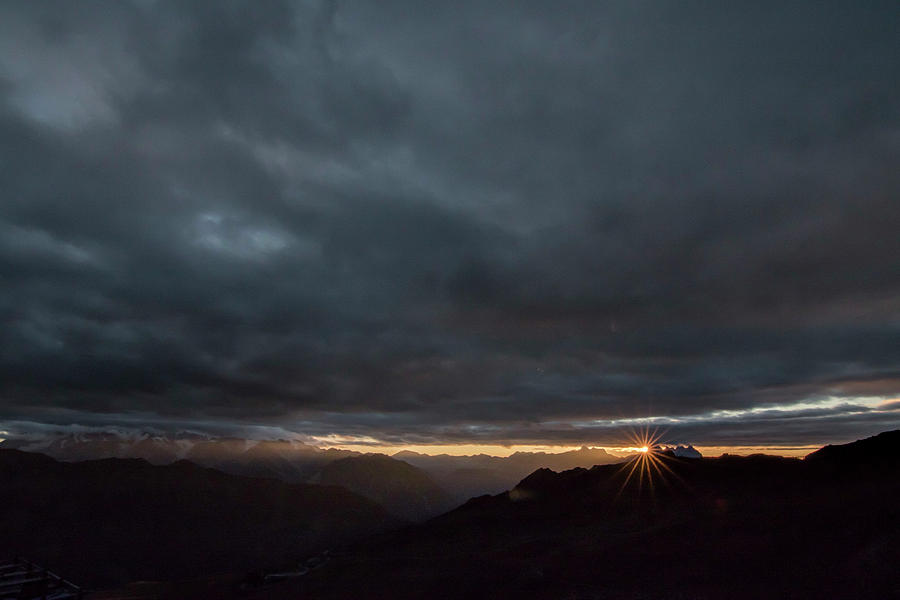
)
(452, 222)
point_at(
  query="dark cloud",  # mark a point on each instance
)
(495, 222)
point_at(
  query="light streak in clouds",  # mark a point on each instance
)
(798, 409)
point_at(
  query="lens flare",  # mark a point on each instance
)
(647, 467)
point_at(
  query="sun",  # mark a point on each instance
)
(647, 466)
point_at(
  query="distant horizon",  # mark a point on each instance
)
(500, 450)
(505, 450)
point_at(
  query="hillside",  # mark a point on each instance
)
(287, 460)
(470, 476)
(735, 527)
(118, 520)
(401, 488)
(461, 477)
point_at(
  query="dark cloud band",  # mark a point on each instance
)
(411, 224)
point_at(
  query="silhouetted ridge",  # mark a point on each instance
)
(739, 527)
(880, 450)
(548, 480)
(398, 486)
(117, 520)
(460, 477)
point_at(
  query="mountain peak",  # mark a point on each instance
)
(403, 489)
(878, 450)
(686, 452)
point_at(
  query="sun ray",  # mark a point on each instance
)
(634, 464)
(647, 469)
(655, 463)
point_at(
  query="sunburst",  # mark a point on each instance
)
(648, 465)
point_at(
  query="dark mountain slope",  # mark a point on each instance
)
(398, 486)
(462, 477)
(287, 460)
(879, 451)
(735, 527)
(118, 520)
(467, 476)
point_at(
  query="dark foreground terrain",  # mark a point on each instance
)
(410, 485)
(109, 522)
(658, 527)
(730, 527)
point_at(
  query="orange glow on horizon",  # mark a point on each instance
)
(647, 466)
(506, 450)
(459, 449)
(502, 450)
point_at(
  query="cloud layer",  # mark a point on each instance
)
(512, 222)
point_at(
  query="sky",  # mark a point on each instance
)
(467, 223)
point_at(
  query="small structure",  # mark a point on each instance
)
(23, 580)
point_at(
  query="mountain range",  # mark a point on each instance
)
(658, 527)
(413, 486)
(476, 475)
(114, 520)
(398, 486)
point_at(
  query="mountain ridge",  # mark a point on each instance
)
(733, 526)
(401, 488)
(292, 461)
(117, 520)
